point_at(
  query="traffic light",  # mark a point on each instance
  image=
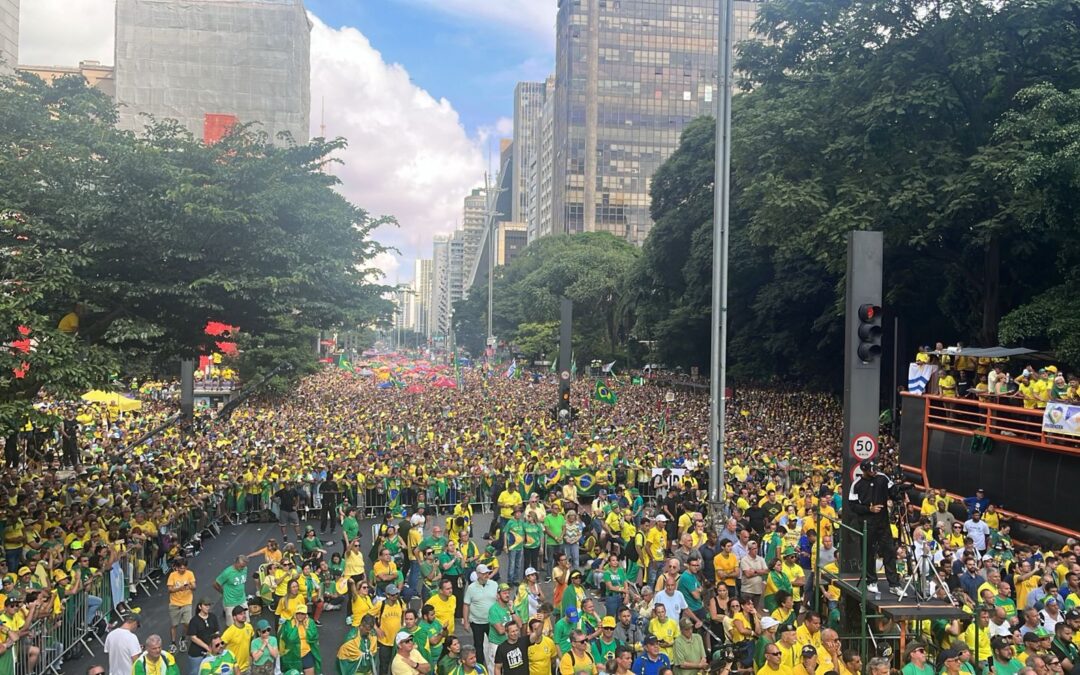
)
(869, 332)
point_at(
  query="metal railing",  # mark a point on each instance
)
(997, 417)
(70, 626)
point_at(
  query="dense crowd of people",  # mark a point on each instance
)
(599, 555)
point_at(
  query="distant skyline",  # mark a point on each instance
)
(421, 88)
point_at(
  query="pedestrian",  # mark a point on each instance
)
(122, 645)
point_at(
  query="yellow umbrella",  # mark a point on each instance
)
(113, 400)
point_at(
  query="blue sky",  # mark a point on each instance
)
(456, 50)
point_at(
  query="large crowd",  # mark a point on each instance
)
(599, 555)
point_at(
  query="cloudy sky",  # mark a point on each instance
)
(422, 89)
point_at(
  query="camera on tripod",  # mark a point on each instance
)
(722, 657)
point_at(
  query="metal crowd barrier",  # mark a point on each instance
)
(83, 618)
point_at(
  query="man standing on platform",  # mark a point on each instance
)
(870, 501)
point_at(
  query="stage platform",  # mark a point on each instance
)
(890, 605)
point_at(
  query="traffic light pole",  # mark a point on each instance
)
(862, 390)
(563, 409)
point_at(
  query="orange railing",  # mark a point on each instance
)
(997, 418)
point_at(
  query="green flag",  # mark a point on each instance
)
(602, 393)
(573, 365)
(554, 364)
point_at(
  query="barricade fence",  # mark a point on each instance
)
(74, 621)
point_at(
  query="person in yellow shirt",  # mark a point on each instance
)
(360, 602)
(773, 665)
(809, 633)
(181, 586)
(947, 385)
(444, 603)
(293, 598)
(726, 564)
(978, 641)
(237, 638)
(509, 498)
(808, 661)
(543, 653)
(665, 629)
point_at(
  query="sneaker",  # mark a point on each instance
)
(318, 623)
(172, 647)
(897, 591)
(871, 588)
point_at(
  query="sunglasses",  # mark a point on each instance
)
(579, 642)
(772, 653)
(407, 640)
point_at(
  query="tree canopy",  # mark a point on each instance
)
(940, 123)
(154, 234)
(590, 269)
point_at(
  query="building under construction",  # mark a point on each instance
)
(212, 63)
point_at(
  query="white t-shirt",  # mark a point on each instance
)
(674, 603)
(123, 648)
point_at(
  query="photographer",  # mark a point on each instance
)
(869, 499)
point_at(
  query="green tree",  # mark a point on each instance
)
(163, 233)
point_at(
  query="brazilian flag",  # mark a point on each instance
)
(343, 362)
(551, 478)
(586, 482)
(602, 393)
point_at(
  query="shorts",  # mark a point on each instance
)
(288, 518)
(179, 615)
(308, 661)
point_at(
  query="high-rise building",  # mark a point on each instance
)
(538, 216)
(528, 104)
(630, 75)
(440, 288)
(511, 241)
(9, 36)
(473, 221)
(422, 289)
(212, 63)
(96, 75)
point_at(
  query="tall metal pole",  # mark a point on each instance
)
(721, 201)
(491, 256)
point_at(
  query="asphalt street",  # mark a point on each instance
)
(220, 552)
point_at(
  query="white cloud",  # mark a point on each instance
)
(408, 154)
(534, 19)
(64, 32)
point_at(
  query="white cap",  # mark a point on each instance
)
(401, 637)
(530, 570)
(483, 569)
(768, 622)
(661, 518)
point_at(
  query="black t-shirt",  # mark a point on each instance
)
(329, 492)
(71, 430)
(203, 629)
(287, 497)
(514, 658)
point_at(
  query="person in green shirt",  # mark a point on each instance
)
(350, 527)
(410, 623)
(688, 650)
(534, 538)
(554, 525)
(499, 616)
(563, 628)
(436, 542)
(917, 660)
(436, 632)
(1004, 660)
(690, 586)
(514, 545)
(603, 647)
(232, 583)
(614, 586)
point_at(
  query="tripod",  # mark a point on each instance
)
(921, 564)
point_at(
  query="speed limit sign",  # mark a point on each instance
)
(864, 446)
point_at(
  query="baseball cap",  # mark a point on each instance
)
(686, 623)
(571, 614)
(950, 653)
(205, 601)
(661, 518)
(650, 640)
(24, 570)
(1072, 615)
(530, 570)
(768, 623)
(262, 625)
(483, 569)
(607, 622)
(809, 650)
(1043, 633)
(868, 465)
(504, 586)
(1000, 642)
(402, 636)
(391, 589)
(239, 609)
(1030, 636)
(300, 609)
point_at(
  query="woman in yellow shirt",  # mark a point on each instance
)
(354, 561)
(293, 598)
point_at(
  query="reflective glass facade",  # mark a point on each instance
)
(630, 75)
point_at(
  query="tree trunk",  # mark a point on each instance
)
(992, 292)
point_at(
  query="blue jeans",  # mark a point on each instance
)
(93, 605)
(516, 569)
(612, 603)
(573, 554)
(194, 662)
(550, 552)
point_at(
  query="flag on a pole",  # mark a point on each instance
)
(554, 364)
(512, 370)
(602, 393)
(573, 365)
